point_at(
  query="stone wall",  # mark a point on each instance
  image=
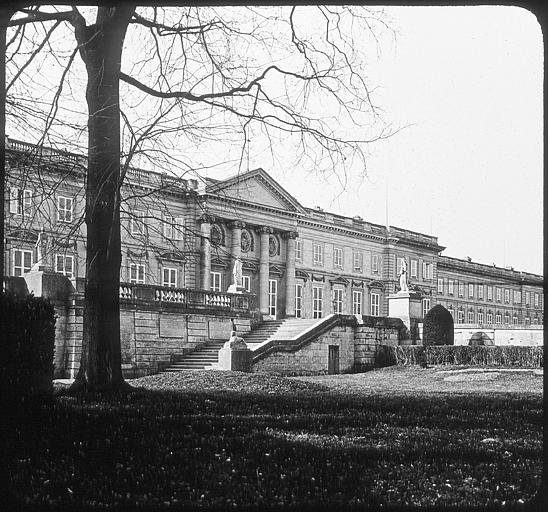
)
(367, 339)
(520, 336)
(313, 358)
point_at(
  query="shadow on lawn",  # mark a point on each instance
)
(234, 450)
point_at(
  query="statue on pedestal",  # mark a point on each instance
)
(404, 283)
(39, 251)
(236, 286)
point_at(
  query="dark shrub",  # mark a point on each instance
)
(27, 331)
(438, 327)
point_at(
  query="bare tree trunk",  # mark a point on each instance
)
(101, 49)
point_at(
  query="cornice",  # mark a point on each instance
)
(212, 198)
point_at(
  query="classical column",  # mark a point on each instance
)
(264, 269)
(236, 248)
(290, 273)
(205, 252)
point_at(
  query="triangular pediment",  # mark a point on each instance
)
(256, 187)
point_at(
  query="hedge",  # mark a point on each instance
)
(27, 331)
(404, 355)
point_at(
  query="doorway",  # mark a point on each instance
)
(333, 360)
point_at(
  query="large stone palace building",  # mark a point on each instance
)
(186, 234)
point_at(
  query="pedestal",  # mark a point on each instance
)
(404, 305)
(235, 355)
(43, 282)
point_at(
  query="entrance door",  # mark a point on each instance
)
(333, 360)
(272, 297)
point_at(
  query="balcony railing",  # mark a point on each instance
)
(186, 297)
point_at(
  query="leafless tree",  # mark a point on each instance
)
(191, 79)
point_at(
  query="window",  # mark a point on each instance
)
(299, 250)
(461, 289)
(517, 297)
(515, 320)
(298, 300)
(375, 263)
(460, 317)
(507, 296)
(480, 291)
(137, 273)
(499, 294)
(498, 318)
(216, 281)
(506, 318)
(357, 297)
(375, 301)
(246, 283)
(489, 293)
(440, 284)
(527, 298)
(64, 209)
(317, 250)
(64, 264)
(317, 301)
(20, 200)
(173, 227)
(527, 320)
(337, 301)
(489, 318)
(22, 262)
(470, 317)
(337, 257)
(272, 297)
(426, 270)
(470, 290)
(169, 277)
(480, 317)
(425, 307)
(414, 268)
(137, 222)
(357, 260)
(450, 287)
(536, 300)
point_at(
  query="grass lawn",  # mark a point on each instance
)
(230, 441)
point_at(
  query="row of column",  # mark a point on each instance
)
(264, 260)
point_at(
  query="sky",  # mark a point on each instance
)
(466, 85)
(463, 88)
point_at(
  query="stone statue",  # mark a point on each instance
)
(39, 250)
(237, 272)
(404, 284)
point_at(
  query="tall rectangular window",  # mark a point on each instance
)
(317, 301)
(450, 287)
(480, 291)
(425, 307)
(337, 257)
(374, 263)
(22, 262)
(489, 293)
(460, 316)
(470, 317)
(173, 227)
(517, 297)
(527, 298)
(357, 260)
(64, 264)
(357, 297)
(137, 222)
(246, 283)
(414, 268)
(440, 284)
(317, 251)
(64, 209)
(216, 281)
(298, 300)
(169, 277)
(461, 289)
(470, 290)
(20, 200)
(480, 317)
(499, 294)
(490, 318)
(427, 270)
(299, 250)
(375, 304)
(506, 296)
(537, 300)
(515, 320)
(137, 273)
(506, 318)
(498, 318)
(337, 301)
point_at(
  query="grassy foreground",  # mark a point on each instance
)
(231, 441)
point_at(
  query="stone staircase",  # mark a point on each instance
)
(206, 358)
